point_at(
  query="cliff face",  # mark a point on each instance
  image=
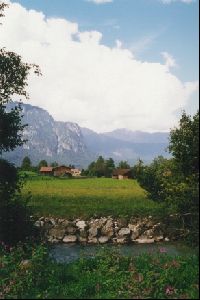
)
(47, 139)
(68, 143)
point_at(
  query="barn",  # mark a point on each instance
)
(61, 171)
(46, 171)
(122, 174)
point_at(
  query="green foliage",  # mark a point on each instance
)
(54, 164)
(175, 181)
(123, 165)
(100, 168)
(13, 81)
(42, 163)
(184, 145)
(14, 217)
(26, 164)
(27, 272)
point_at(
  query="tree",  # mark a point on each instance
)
(123, 165)
(54, 164)
(109, 167)
(13, 81)
(42, 163)
(26, 164)
(184, 144)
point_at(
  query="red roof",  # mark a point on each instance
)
(46, 169)
(123, 172)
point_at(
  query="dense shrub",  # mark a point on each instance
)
(14, 216)
(29, 273)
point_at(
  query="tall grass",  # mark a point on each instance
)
(88, 197)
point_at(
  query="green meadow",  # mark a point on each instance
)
(88, 197)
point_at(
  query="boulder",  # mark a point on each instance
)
(57, 232)
(144, 241)
(81, 225)
(108, 229)
(70, 239)
(124, 232)
(93, 240)
(104, 239)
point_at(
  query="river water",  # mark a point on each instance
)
(66, 253)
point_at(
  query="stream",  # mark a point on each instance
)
(67, 253)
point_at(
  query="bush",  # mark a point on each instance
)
(27, 272)
(14, 216)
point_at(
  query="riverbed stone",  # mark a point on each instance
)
(104, 239)
(108, 229)
(144, 240)
(81, 225)
(70, 239)
(93, 240)
(124, 232)
(57, 232)
(71, 229)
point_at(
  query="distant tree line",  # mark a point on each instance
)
(104, 167)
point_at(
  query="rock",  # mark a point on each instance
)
(144, 241)
(25, 264)
(65, 223)
(136, 231)
(159, 238)
(166, 239)
(82, 239)
(57, 232)
(70, 239)
(81, 225)
(83, 233)
(108, 229)
(124, 232)
(149, 233)
(92, 240)
(52, 222)
(37, 224)
(93, 231)
(122, 223)
(104, 239)
(122, 240)
(71, 229)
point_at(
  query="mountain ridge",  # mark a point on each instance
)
(68, 143)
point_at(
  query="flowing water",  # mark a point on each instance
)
(66, 253)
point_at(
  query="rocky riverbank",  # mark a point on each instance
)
(109, 230)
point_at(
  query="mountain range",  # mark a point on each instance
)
(68, 143)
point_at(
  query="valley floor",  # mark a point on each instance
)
(85, 198)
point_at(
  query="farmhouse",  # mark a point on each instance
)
(76, 172)
(46, 171)
(57, 171)
(121, 174)
(62, 170)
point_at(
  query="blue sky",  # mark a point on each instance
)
(149, 27)
(122, 64)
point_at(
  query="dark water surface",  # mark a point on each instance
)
(66, 253)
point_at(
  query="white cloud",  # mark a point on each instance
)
(183, 1)
(100, 1)
(169, 60)
(84, 81)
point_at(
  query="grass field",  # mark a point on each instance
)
(88, 197)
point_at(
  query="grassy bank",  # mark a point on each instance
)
(88, 197)
(28, 273)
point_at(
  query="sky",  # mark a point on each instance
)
(109, 64)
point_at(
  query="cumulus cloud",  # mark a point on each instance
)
(100, 1)
(169, 60)
(87, 82)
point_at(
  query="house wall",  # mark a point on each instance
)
(61, 171)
